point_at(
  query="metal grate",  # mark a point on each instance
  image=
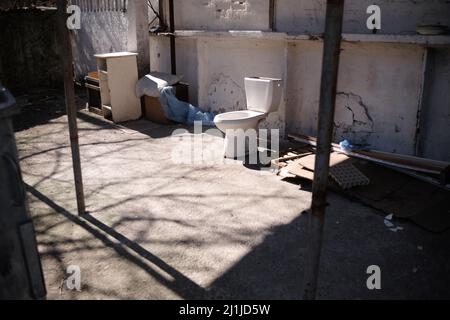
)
(101, 5)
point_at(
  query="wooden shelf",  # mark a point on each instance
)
(118, 76)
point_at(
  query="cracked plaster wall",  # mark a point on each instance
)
(379, 84)
(377, 99)
(215, 70)
(307, 16)
(222, 14)
(223, 65)
(397, 16)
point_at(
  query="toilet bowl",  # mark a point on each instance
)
(263, 96)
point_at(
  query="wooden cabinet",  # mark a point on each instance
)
(118, 76)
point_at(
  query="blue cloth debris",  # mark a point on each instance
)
(182, 112)
(346, 146)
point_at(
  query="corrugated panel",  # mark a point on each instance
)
(101, 5)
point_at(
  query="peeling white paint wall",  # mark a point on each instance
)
(222, 14)
(378, 93)
(160, 54)
(215, 70)
(104, 29)
(379, 83)
(223, 65)
(397, 16)
(100, 32)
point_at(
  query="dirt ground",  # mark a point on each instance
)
(158, 228)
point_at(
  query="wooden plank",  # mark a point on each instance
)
(299, 171)
(335, 158)
(290, 157)
(330, 68)
(308, 162)
(69, 91)
(407, 160)
(292, 154)
(385, 158)
(96, 111)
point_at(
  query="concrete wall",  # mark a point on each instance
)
(379, 84)
(398, 16)
(222, 14)
(307, 16)
(215, 69)
(377, 98)
(223, 65)
(377, 103)
(104, 29)
(435, 130)
(29, 54)
(101, 32)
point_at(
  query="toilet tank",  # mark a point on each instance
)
(263, 94)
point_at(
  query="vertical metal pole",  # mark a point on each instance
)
(272, 15)
(330, 66)
(66, 55)
(424, 94)
(161, 12)
(173, 54)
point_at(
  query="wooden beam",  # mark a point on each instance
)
(65, 47)
(330, 66)
(385, 158)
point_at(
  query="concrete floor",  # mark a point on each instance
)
(158, 229)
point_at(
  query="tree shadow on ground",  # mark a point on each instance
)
(41, 105)
(272, 270)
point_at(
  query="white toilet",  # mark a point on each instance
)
(263, 97)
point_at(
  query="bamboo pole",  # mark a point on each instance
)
(66, 56)
(330, 66)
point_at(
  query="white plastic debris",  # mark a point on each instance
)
(396, 229)
(390, 225)
(152, 84)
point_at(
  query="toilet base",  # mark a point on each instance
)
(239, 143)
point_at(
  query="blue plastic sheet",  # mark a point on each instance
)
(347, 146)
(183, 112)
